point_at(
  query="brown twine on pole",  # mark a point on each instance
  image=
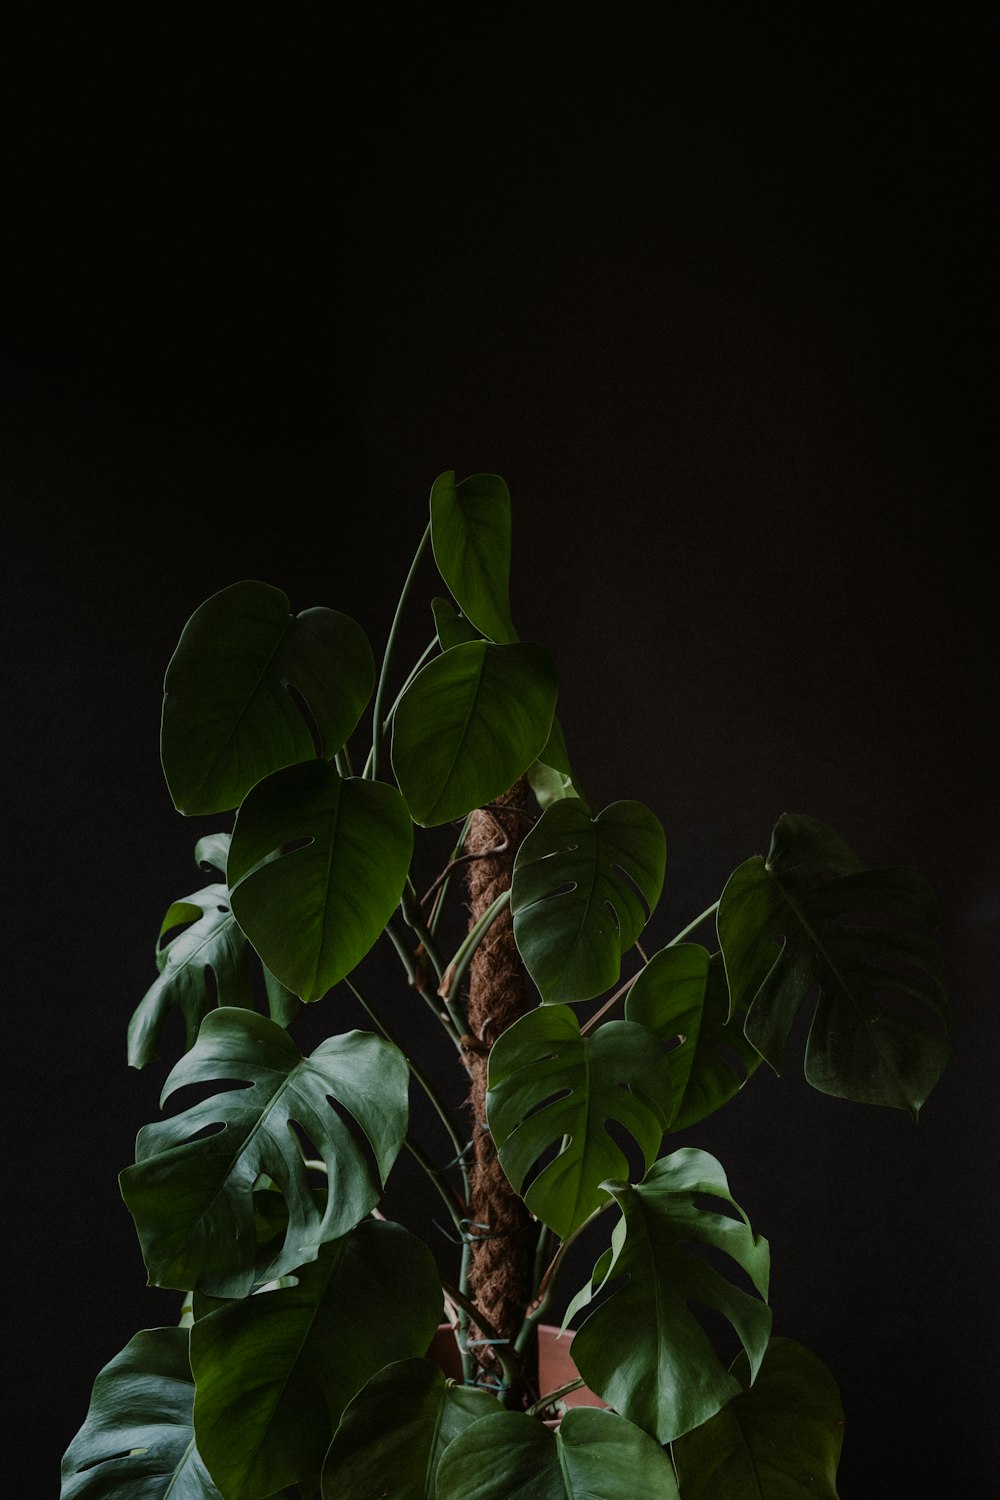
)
(500, 991)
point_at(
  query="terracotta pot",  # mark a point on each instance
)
(555, 1362)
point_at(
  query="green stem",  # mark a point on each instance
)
(598, 1016)
(414, 919)
(509, 1362)
(425, 653)
(378, 712)
(448, 1194)
(708, 912)
(455, 972)
(548, 1283)
(551, 1397)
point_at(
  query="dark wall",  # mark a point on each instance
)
(713, 300)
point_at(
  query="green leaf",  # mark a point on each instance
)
(191, 1194)
(594, 1455)
(137, 1442)
(642, 1350)
(205, 961)
(550, 776)
(393, 1433)
(582, 891)
(252, 688)
(550, 1087)
(275, 1372)
(452, 628)
(779, 1440)
(809, 918)
(316, 869)
(469, 725)
(470, 535)
(682, 993)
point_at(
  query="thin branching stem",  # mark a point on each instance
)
(378, 712)
(547, 1285)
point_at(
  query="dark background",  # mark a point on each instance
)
(711, 294)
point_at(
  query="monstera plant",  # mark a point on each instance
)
(402, 857)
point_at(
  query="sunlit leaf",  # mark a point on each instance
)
(251, 688)
(643, 1350)
(316, 869)
(811, 920)
(137, 1442)
(191, 1193)
(550, 1087)
(470, 535)
(582, 891)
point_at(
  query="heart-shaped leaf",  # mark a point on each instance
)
(393, 1433)
(191, 1193)
(251, 688)
(550, 1087)
(642, 1350)
(682, 993)
(469, 725)
(452, 628)
(317, 866)
(582, 891)
(593, 1454)
(274, 1372)
(470, 535)
(137, 1442)
(809, 918)
(779, 1440)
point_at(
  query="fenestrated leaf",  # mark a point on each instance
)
(594, 1455)
(275, 1371)
(810, 919)
(233, 689)
(137, 1442)
(779, 1440)
(205, 961)
(547, 1082)
(643, 1350)
(316, 869)
(191, 1194)
(582, 891)
(470, 535)
(682, 993)
(469, 725)
(393, 1433)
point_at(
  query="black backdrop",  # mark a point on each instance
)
(712, 296)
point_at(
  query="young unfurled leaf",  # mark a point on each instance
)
(470, 535)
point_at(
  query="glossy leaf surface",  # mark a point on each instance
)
(274, 1372)
(778, 1440)
(469, 725)
(643, 1350)
(582, 892)
(316, 868)
(682, 992)
(810, 919)
(452, 628)
(191, 1193)
(393, 1433)
(594, 1455)
(137, 1442)
(470, 535)
(551, 776)
(547, 1083)
(234, 684)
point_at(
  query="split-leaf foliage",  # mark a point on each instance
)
(300, 1363)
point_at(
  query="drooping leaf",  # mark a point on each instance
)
(469, 725)
(316, 869)
(453, 629)
(643, 1350)
(393, 1433)
(778, 1440)
(550, 1087)
(810, 919)
(682, 992)
(582, 891)
(594, 1455)
(137, 1442)
(251, 688)
(470, 536)
(275, 1371)
(191, 1194)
